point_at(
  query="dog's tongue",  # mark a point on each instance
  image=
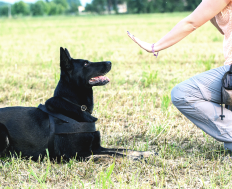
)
(102, 78)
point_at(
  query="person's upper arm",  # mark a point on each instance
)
(206, 11)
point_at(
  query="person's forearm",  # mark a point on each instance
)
(180, 31)
(202, 14)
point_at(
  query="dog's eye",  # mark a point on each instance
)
(86, 63)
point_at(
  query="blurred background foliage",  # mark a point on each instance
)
(143, 6)
(57, 7)
(40, 8)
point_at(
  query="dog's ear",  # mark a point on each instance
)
(68, 54)
(65, 59)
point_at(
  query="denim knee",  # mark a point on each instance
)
(175, 95)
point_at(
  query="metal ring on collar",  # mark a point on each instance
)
(83, 108)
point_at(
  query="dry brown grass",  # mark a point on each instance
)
(134, 110)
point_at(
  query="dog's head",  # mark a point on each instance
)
(83, 72)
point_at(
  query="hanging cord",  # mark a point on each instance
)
(228, 87)
(222, 116)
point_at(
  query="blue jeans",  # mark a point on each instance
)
(199, 98)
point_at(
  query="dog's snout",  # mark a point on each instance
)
(107, 66)
(108, 62)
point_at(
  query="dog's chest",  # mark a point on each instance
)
(60, 124)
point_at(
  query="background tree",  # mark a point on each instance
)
(20, 8)
(115, 5)
(99, 6)
(4, 10)
(55, 9)
(109, 6)
(40, 8)
(63, 3)
(73, 4)
(89, 7)
(192, 4)
(144, 6)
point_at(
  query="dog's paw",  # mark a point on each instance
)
(142, 154)
(97, 158)
(139, 156)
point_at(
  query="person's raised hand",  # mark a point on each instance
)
(144, 45)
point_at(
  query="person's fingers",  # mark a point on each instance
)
(128, 32)
(138, 41)
(134, 39)
(144, 45)
(131, 36)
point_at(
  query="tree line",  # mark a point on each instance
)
(39, 8)
(55, 7)
(143, 6)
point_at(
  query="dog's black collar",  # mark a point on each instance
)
(83, 107)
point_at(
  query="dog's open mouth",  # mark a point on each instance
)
(99, 80)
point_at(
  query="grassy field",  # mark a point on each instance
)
(134, 110)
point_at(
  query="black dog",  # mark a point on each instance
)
(64, 125)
